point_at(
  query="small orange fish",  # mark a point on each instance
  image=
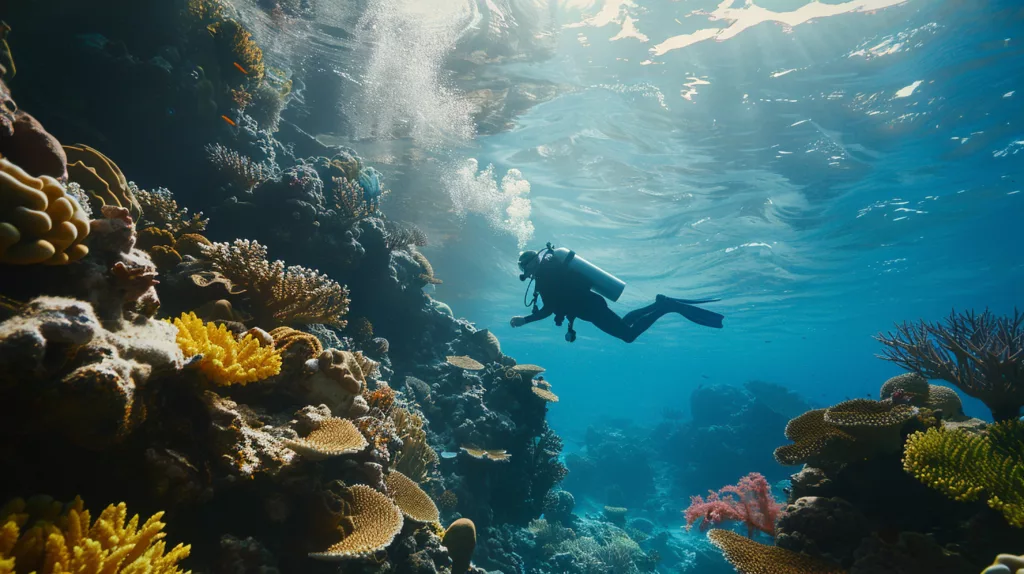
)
(241, 69)
(230, 121)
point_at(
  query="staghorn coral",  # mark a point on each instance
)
(749, 557)
(334, 437)
(225, 361)
(410, 498)
(101, 178)
(280, 295)
(160, 210)
(36, 536)
(415, 459)
(464, 362)
(369, 525)
(851, 430)
(966, 466)
(460, 540)
(750, 502)
(351, 202)
(239, 169)
(39, 221)
(982, 355)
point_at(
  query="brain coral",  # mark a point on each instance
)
(39, 221)
(749, 557)
(371, 524)
(35, 536)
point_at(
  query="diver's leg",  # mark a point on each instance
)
(635, 314)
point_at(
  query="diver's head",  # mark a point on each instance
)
(528, 262)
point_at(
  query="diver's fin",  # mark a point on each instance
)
(686, 301)
(698, 315)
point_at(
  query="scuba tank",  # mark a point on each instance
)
(601, 282)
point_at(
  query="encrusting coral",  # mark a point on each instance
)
(369, 525)
(982, 354)
(334, 437)
(39, 221)
(749, 557)
(966, 466)
(36, 536)
(225, 360)
(280, 295)
(410, 498)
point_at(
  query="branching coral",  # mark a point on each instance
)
(401, 235)
(966, 466)
(351, 201)
(239, 169)
(750, 502)
(39, 221)
(749, 557)
(242, 46)
(226, 361)
(159, 210)
(281, 295)
(415, 459)
(370, 524)
(35, 536)
(410, 498)
(101, 178)
(983, 355)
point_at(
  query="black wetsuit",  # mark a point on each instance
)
(565, 293)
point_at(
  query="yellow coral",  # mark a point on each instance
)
(281, 295)
(851, 430)
(334, 437)
(416, 459)
(372, 523)
(101, 178)
(965, 466)
(56, 542)
(307, 345)
(225, 361)
(39, 221)
(410, 498)
(464, 362)
(749, 557)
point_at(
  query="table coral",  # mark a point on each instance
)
(334, 437)
(280, 295)
(749, 557)
(410, 498)
(225, 361)
(850, 430)
(370, 524)
(39, 221)
(966, 466)
(70, 541)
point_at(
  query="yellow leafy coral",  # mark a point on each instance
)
(35, 536)
(225, 361)
(966, 466)
(415, 459)
(39, 221)
(280, 295)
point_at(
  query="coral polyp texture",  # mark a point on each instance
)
(966, 466)
(280, 295)
(225, 360)
(334, 437)
(37, 536)
(464, 362)
(749, 557)
(852, 430)
(39, 221)
(370, 525)
(981, 354)
(410, 498)
(545, 394)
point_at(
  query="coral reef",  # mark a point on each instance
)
(749, 502)
(981, 354)
(222, 358)
(750, 557)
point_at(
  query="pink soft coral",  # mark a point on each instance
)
(749, 502)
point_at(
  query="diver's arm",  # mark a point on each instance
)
(535, 316)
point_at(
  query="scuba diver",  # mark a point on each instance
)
(572, 287)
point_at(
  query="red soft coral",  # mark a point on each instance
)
(749, 502)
